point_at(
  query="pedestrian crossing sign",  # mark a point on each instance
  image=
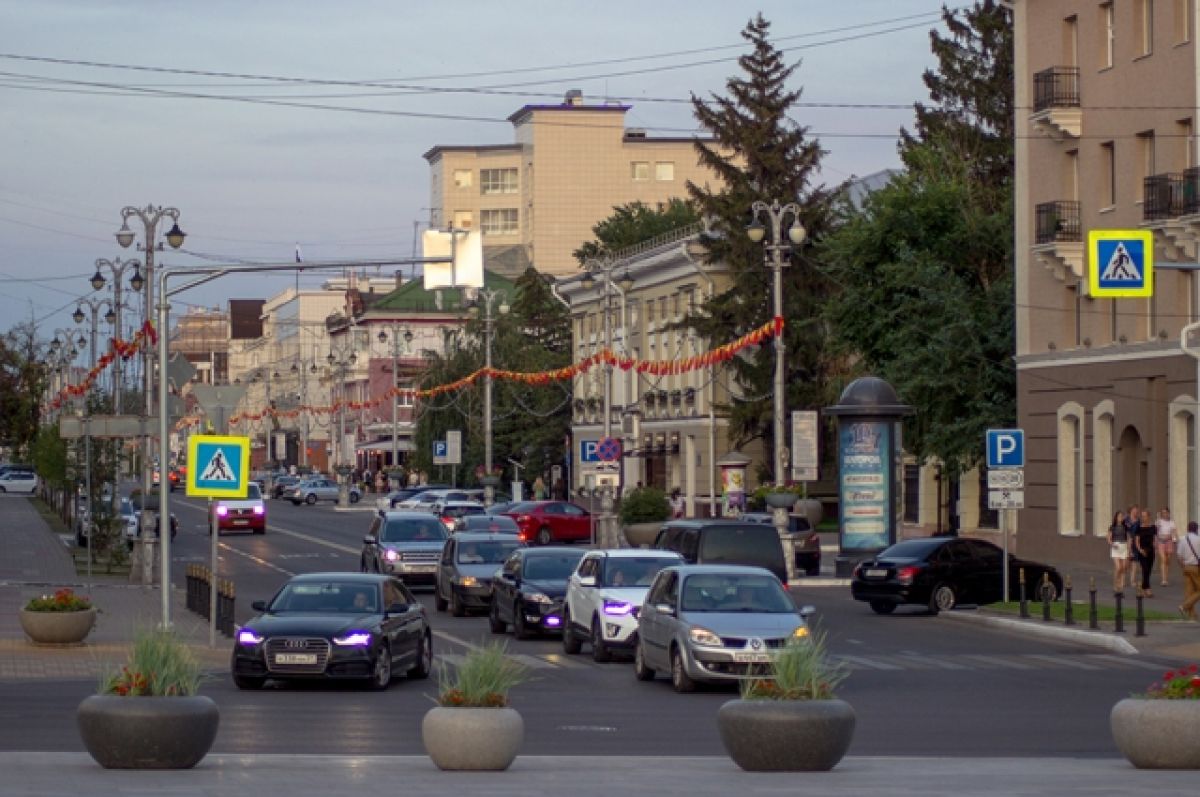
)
(218, 466)
(1120, 263)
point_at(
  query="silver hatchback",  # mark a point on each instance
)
(714, 623)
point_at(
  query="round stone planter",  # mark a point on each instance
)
(784, 500)
(1157, 734)
(641, 535)
(475, 739)
(786, 735)
(58, 628)
(148, 732)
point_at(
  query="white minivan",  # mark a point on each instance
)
(18, 481)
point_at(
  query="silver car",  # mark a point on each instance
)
(310, 491)
(714, 623)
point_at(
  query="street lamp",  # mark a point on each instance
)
(94, 305)
(341, 360)
(302, 375)
(486, 299)
(117, 268)
(776, 214)
(383, 338)
(149, 216)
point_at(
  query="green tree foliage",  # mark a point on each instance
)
(22, 384)
(759, 153)
(925, 268)
(633, 223)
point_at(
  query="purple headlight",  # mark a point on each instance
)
(553, 621)
(222, 510)
(354, 639)
(259, 509)
(247, 637)
(390, 555)
(618, 608)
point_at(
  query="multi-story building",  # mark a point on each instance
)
(1106, 98)
(537, 199)
(202, 336)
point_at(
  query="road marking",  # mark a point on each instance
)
(588, 728)
(1061, 661)
(930, 661)
(1128, 662)
(256, 559)
(455, 640)
(298, 535)
(567, 662)
(998, 661)
(871, 664)
(532, 662)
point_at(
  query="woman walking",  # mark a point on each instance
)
(1144, 541)
(1164, 541)
(1118, 545)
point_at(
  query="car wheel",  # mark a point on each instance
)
(679, 677)
(641, 670)
(439, 602)
(381, 674)
(544, 537)
(497, 625)
(310, 499)
(571, 644)
(883, 607)
(520, 630)
(942, 599)
(600, 651)
(248, 683)
(456, 607)
(424, 664)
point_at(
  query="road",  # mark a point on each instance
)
(920, 685)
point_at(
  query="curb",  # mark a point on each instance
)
(1079, 636)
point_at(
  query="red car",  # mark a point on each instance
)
(545, 522)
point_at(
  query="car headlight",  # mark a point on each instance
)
(247, 637)
(353, 639)
(390, 555)
(259, 509)
(538, 597)
(467, 581)
(702, 636)
(222, 510)
(800, 633)
(618, 608)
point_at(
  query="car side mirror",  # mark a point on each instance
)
(398, 608)
(587, 581)
(369, 539)
(664, 608)
(259, 606)
(807, 611)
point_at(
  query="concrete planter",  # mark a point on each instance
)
(473, 739)
(1157, 734)
(147, 732)
(641, 535)
(786, 735)
(58, 628)
(785, 500)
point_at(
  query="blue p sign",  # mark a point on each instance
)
(588, 451)
(1005, 448)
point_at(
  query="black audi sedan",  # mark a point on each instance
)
(942, 572)
(335, 626)
(464, 577)
(528, 591)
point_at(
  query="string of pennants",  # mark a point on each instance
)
(124, 349)
(756, 337)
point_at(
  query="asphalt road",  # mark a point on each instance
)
(920, 685)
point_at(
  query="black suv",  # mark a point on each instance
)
(808, 542)
(725, 542)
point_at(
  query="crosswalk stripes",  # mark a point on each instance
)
(1077, 662)
(996, 662)
(930, 661)
(865, 663)
(1130, 662)
(910, 660)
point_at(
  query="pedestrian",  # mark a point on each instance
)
(1144, 541)
(367, 481)
(1164, 541)
(539, 489)
(1132, 516)
(1118, 544)
(559, 490)
(381, 481)
(677, 504)
(1189, 557)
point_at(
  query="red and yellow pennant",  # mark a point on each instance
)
(116, 348)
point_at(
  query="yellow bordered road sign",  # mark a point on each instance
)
(1120, 263)
(218, 466)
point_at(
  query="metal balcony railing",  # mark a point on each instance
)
(1162, 197)
(1058, 222)
(1056, 87)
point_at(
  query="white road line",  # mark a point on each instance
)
(930, 661)
(258, 560)
(869, 663)
(455, 640)
(532, 662)
(1131, 662)
(998, 661)
(297, 535)
(1061, 661)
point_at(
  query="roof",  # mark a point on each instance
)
(486, 536)
(519, 116)
(413, 298)
(551, 550)
(720, 570)
(637, 553)
(362, 578)
(434, 152)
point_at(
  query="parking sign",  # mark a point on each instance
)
(1005, 448)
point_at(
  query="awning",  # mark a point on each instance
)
(385, 445)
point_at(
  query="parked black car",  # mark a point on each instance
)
(808, 542)
(469, 560)
(725, 542)
(942, 572)
(335, 626)
(528, 591)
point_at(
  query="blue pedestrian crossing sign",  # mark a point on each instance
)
(1120, 263)
(218, 466)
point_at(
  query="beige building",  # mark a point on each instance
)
(1106, 98)
(537, 199)
(202, 336)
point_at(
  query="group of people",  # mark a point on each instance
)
(1136, 538)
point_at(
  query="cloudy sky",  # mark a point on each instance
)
(272, 123)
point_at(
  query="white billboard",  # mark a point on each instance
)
(467, 250)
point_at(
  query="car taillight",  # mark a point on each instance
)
(448, 522)
(523, 519)
(905, 575)
(857, 572)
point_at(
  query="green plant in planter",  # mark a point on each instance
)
(801, 671)
(159, 665)
(1181, 684)
(645, 505)
(483, 680)
(63, 600)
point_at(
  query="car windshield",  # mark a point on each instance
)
(413, 530)
(522, 506)
(496, 523)
(625, 571)
(730, 592)
(551, 567)
(327, 597)
(485, 553)
(253, 493)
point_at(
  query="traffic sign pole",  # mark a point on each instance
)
(212, 582)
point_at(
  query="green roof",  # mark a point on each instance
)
(413, 298)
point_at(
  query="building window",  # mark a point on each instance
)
(1183, 21)
(1071, 483)
(405, 399)
(1108, 174)
(1107, 35)
(1102, 467)
(463, 178)
(664, 171)
(1145, 142)
(463, 220)
(640, 170)
(1143, 20)
(1183, 131)
(498, 222)
(498, 181)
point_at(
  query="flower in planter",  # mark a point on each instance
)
(482, 470)
(483, 680)
(1181, 684)
(801, 671)
(63, 600)
(159, 665)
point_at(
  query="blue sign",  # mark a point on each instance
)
(1120, 263)
(1005, 448)
(440, 449)
(589, 450)
(218, 466)
(864, 456)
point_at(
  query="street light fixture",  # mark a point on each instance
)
(485, 300)
(340, 361)
(383, 338)
(117, 267)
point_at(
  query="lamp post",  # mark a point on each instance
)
(149, 216)
(136, 281)
(776, 214)
(340, 361)
(486, 300)
(395, 338)
(302, 375)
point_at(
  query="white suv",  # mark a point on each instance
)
(604, 596)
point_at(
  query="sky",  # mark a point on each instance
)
(252, 118)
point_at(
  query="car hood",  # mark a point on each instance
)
(481, 572)
(248, 503)
(745, 624)
(552, 589)
(290, 624)
(634, 595)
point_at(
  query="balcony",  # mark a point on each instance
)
(1171, 208)
(1056, 110)
(1058, 239)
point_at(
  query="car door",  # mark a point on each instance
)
(962, 570)
(581, 599)
(575, 521)
(403, 627)
(652, 626)
(989, 571)
(504, 587)
(445, 575)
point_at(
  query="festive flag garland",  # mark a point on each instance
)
(116, 348)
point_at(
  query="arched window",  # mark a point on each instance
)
(1071, 478)
(1181, 460)
(1102, 467)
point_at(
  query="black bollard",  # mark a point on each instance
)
(1068, 609)
(1118, 618)
(1093, 615)
(1021, 583)
(1046, 587)
(1140, 617)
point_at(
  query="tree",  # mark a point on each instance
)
(22, 383)
(634, 223)
(758, 153)
(925, 268)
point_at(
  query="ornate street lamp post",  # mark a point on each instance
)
(340, 361)
(487, 300)
(396, 337)
(136, 281)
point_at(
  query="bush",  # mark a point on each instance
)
(645, 505)
(801, 671)
(159, 666)
(483, 680)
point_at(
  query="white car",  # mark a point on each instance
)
(604, 596)
(18, 481)
(425, 501)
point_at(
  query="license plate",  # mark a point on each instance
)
(752, 658)
(876, 572)
(240, 522)
(295, 658)
(423, 568)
